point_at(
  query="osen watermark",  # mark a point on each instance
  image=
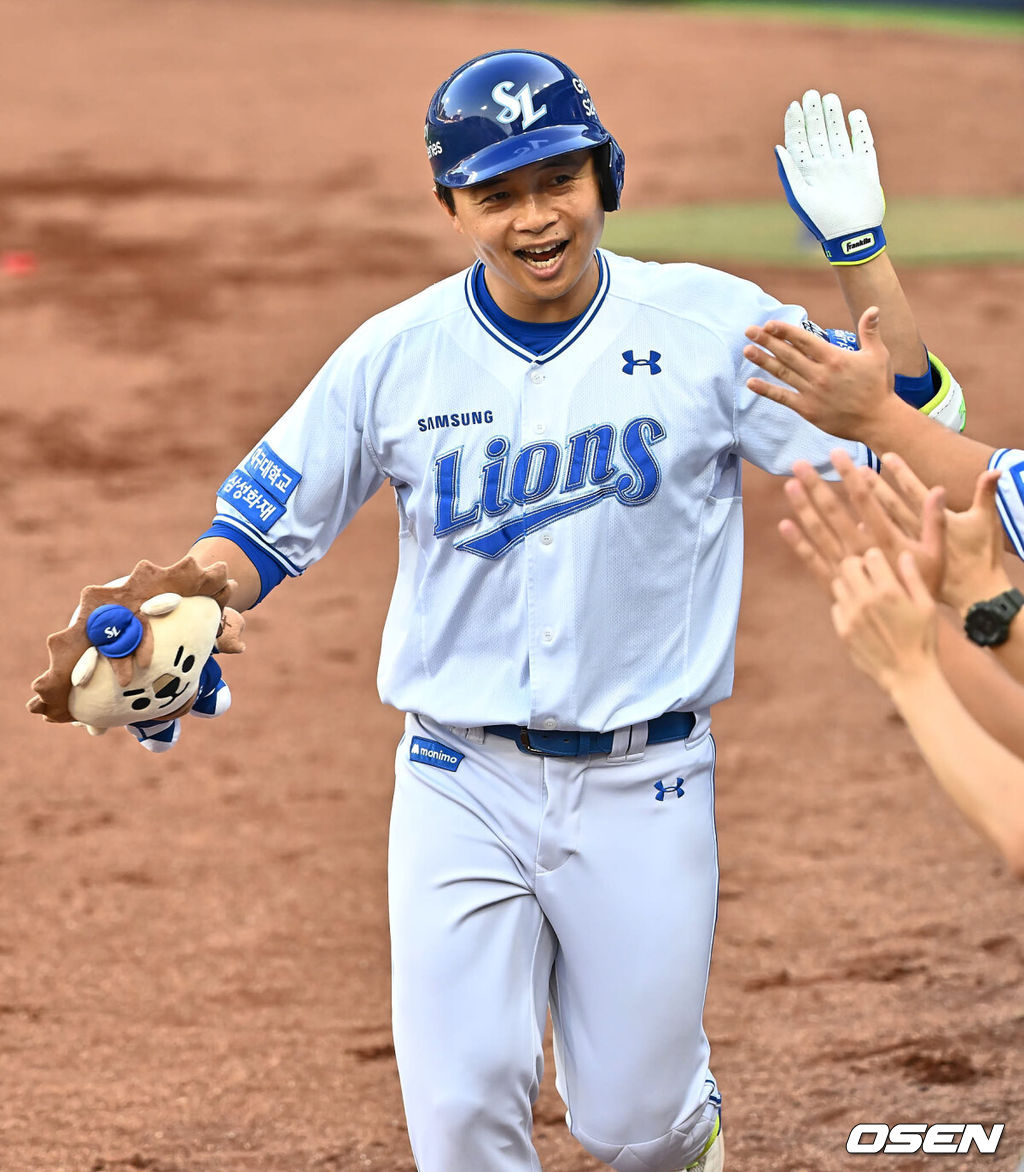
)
(936, 1139)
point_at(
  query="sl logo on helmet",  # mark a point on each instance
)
(517, 104)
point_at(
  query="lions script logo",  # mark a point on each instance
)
(578, 476)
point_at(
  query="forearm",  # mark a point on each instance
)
(983, 778)
(991, 695)
(219, 549)
(977, 579)
(875, 283)
(937, 454)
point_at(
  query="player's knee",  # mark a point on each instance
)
(624, 1146)
(478, 1114)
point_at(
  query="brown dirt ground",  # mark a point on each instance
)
(193, 949)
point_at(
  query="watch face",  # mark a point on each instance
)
(985, 624)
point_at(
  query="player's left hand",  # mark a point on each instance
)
(831, 179)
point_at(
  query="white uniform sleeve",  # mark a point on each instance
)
(1010, 494)
(304, 481)
(772, 436)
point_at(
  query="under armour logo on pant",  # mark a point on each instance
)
(632, 363)
(664, 789)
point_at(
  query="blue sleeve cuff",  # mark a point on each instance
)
(270, 572)
(917, 390)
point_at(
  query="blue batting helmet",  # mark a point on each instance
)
(507, 109)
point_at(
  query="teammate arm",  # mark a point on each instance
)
(964, 711)
(875, 284)
(974, 564)
(830, 176)
(889, 626)
(824, 531)
(851, 394)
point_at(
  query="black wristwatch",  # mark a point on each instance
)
(987, 623)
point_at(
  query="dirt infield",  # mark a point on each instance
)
(193, 948)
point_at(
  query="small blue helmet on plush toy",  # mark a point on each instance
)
(508, 109)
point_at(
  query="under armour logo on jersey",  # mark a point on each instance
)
(664, 789)
(632, 363)
(517, 104)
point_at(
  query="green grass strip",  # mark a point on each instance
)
(973, 21)
(919, 231)
(940, 19)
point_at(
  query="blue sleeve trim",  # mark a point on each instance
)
(1004, 510)
(271, 572)
(918, 389)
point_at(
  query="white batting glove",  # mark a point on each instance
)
(830, 182)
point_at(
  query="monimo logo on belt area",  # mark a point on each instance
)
(434, 753)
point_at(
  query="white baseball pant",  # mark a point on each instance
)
(588, 884)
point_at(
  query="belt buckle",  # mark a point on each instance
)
(526, 747)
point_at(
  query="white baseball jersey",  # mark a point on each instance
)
(570, 531)
(1010, 496)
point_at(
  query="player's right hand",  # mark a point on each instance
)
(831, 179)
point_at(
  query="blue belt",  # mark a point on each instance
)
(672, 726)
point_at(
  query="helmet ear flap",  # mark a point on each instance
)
(611, 167)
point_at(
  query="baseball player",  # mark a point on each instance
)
(563, 429)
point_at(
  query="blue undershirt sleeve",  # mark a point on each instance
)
(917, 390)
(270, 572)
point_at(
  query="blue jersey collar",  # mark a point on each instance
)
(481, 303)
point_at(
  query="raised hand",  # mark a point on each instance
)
(844, 392)
(974, 538)
(830, 178)
(885, 617)
(826, 529)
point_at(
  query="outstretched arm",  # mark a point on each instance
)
(850, 394)
(875, 284)
(208, 550)
(830, 176)
(824, 532)
(889, 626)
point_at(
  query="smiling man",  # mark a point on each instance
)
(563, 429)
(536, 230)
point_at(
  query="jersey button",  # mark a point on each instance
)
(546, 539)
(550, 723)
(536, 376)
(539, 428)
(548, 635)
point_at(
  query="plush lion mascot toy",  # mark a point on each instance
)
(138, 653)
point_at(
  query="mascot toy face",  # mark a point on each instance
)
(136, 649)
(184, 631)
